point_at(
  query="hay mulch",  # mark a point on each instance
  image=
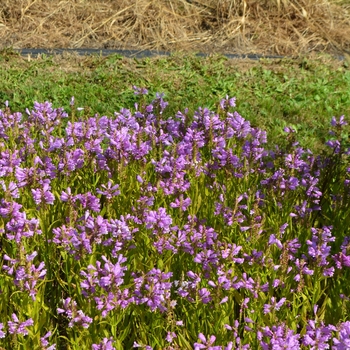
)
(283, 27)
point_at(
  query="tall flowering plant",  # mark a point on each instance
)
(170, 232)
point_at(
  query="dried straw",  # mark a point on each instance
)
(286, 27)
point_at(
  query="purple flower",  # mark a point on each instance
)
(206, 344)
(204, 294)
(317, 337)
(274, 305)
(72, 160)
(292, 247)
(146, 347)
(342, 342)
(19, 226)
(208, 258)
(2, 333)
(9, 160)
(106, 344)
(227, 102)
(67, 196)
(117, 298)
(274, 240)
(153, 289)
(335, 144)
(45, 343)
(140, 91)
(181, 203)
(319, 249)
(88, 201)
(111, 275)
(27, 276)
(339, 123)
(71, 240)
(279, 337)
(294, 161)
(303, 269)
(94, 228)
(16, 327)
(170, 337)
(43, 114)
(158, 220)
(43, 194)
(109, 191)
(288, 129)
(283, 228)
(11, 190)
(236, 339)
(74, 315)
(341, 260)
(240, 127)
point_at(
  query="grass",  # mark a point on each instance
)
(304, 93)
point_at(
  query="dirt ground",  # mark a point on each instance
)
(282, 27)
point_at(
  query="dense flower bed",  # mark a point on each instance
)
(186, 232)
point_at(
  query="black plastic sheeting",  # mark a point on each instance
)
(90, 52)
(136, 53)
(125, 53)
(132, 53)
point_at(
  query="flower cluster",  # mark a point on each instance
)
(139, 224)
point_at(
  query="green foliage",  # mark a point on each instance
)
(301, 93)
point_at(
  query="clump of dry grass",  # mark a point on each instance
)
(285, 27)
